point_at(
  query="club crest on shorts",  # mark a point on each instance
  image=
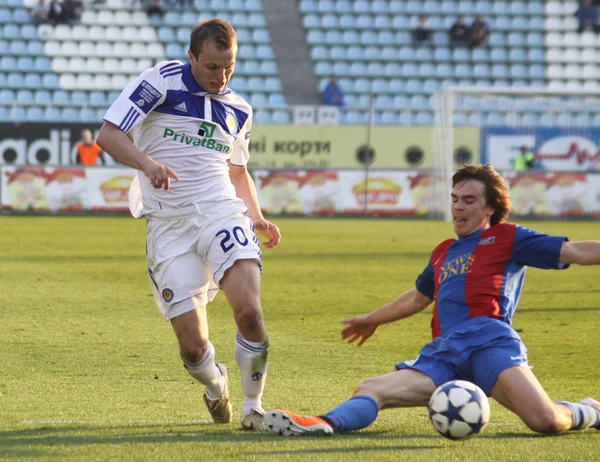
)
(167, 295)
(256, 376)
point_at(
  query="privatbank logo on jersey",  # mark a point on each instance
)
(456, 266)
(205, 142)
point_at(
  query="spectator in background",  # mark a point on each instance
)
(55, 12)
(39, 13)
(525, 160)
(333, 95)
(459, 33)
(155, 7)
(479, 32)
(72, 11)
(421, 33)
(88, 151)
(587, 16)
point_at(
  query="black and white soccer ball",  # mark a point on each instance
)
(459, 410)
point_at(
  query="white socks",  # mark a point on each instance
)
(206, 372)
(251, 359)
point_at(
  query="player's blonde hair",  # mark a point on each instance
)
(216, 30)
(496, 189)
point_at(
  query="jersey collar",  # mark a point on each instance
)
(191, 84)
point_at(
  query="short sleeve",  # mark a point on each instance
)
(426, 281)
(240, 153)
(538, 250)
(137, 100)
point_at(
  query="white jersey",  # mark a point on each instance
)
(180, 125)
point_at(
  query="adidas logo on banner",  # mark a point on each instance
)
(181, 107)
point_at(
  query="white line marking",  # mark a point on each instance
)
(111, 422)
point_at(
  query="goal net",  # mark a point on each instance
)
(560, 127)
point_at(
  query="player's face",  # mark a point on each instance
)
(469, 210)
(213, 67)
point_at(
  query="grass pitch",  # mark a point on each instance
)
(89, 370)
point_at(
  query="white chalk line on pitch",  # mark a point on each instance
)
(114, 422)
(190, 422)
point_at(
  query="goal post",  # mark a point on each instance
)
(560, 126)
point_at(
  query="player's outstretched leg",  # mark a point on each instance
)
(287, 423)
(358, 412)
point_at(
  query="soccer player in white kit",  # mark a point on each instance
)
(191, 128)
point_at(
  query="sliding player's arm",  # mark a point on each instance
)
(362, 327)
(580, 253)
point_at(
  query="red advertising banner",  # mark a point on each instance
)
(65, 189)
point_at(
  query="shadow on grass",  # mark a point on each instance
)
(48, 440)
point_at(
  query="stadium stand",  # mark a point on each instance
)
(112, 44)
(366, 43)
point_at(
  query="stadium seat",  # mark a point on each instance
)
(35, 114)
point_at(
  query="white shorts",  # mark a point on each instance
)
(189, 250)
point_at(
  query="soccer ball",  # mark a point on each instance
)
(459, 410)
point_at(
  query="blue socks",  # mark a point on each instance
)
(356, 413)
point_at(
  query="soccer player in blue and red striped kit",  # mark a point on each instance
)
(475, 282)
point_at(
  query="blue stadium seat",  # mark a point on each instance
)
(24, 96)
(419, 102)
(442, 55)
(517, 55)
(7, 96)
(424, 54)
(461, 54)
(261, 36)
(407, 54)
(481, 71)
(25, 64)
(515, 39)
(500, 71)
(33, 81)
(4, 114)
(365, 21)
(431, 86)
(427, 70)
(535, 8)
(11, 31)
(326, 6)
(386, 118)
(396, 86)
(166, 35)
(444, 71)
(69, 114)
(520, 24)
(307, 6)
(35, 114)
(535, 55)
(393, 70)
(8, 63)
(329, 21)
(389, 53)
(414, 86)
(536, 72)
(547, 120)
(61, 97)
(21, 16)
(381, 101)
(424, 118)
(311, 21)
(98, 97)
(375, 69)
(18, 48)
(264, 52)
(354, 118)
(2, 79)
(79, 97)
(497, 39)
(14, 80)
(351, 37)
(35, 48)
(281, 117)
(463, 71)
(536, 24)
(277, 99)
(405, 118)
(42, 64)
(268, 68)
(498, 55)
(18, 113)
(43, 97)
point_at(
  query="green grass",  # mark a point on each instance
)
(89, 370)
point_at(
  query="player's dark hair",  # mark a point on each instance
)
(496, 189)
(216, 30)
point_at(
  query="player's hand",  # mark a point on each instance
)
(160, 175)
(269, 230)
(358, 328)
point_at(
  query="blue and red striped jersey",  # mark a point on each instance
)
(482, 274)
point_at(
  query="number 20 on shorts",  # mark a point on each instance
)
(237, 233)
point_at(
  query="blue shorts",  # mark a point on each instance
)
(478, 352)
